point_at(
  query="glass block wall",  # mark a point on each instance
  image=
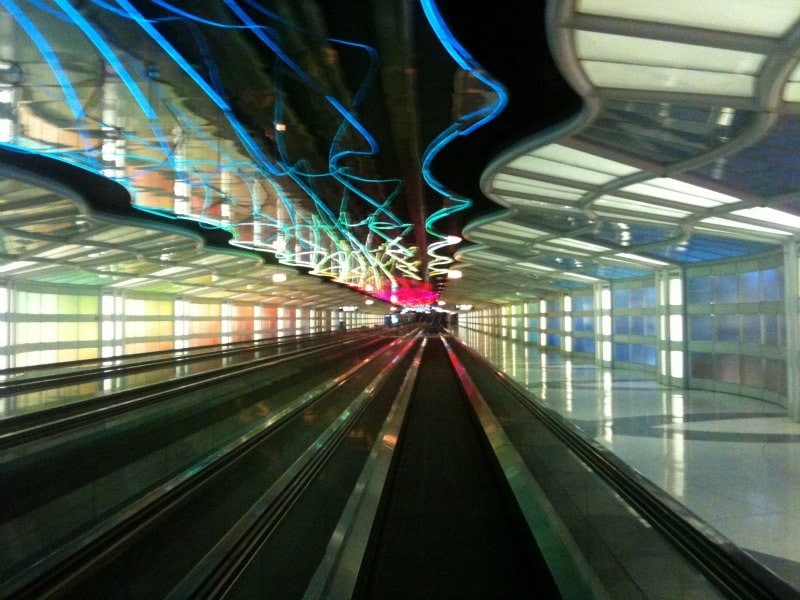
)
(552, 317)
(44, 324)
(737, 327)
(50, 326)
(633, 318)
(718, 326)
(583, 323)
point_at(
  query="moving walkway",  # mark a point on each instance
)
(400, 465)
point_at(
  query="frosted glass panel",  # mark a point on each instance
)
(744, 16)
(676, 328)
(680, 191)
(676, 363)
(698, 290)
(700, 328)
(555, 169)
(727, 328)
(643, 51)
(667, 79)
(726, 288)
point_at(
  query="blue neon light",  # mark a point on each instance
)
(464, 126)
(50, 57)
(368, 250)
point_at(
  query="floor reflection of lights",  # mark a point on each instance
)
(734, 461)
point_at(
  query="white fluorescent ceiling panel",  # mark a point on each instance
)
(561, 161)
(524, 185)
(729, 223)
(619, 61)
(666, 188)
(770, 215)
(645, 208)
(772, 19)
(514, 229)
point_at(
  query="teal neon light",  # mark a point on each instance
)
(179, 168)
(464, 126)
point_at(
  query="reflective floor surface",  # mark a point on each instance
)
(733, 461)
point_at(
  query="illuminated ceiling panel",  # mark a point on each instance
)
(614, 48)
(533, 204)
(636, 258)
(579, 244)
(667, 79)
(766, 214)
(791, 93)
(560, 161)
(619, 61)
(680, 192)
(513, 229)
(490, 238)
(748, 229)
(485, 256)
(742, 16)
(645, 210)
(507, 184)
(665, 97)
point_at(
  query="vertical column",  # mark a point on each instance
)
(281, 324)
(5, 303)
(181, 311)
(677, 330)
(258, 322)
(6, 348)
(542, 323)
(792, 303)
(226, 325)
(662, 361)
(566, 324)
(516, 311)
(602, 312)
(112, 330)
(225, 201)
(527, 319)
(672, 344)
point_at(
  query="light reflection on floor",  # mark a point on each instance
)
(733, 461)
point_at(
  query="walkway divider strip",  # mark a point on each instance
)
(217, 572)
(171, 491)
(338, 571)
(570, 570)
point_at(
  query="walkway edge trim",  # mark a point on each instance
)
(337, 574)
(573, 575)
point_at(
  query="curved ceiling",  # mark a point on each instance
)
(343, 140)
(683, 151)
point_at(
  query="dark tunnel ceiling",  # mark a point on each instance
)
(412, 97)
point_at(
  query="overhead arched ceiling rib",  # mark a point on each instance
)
(684, 151)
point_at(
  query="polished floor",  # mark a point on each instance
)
(733, 461)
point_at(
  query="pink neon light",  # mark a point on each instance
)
(407, 292)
